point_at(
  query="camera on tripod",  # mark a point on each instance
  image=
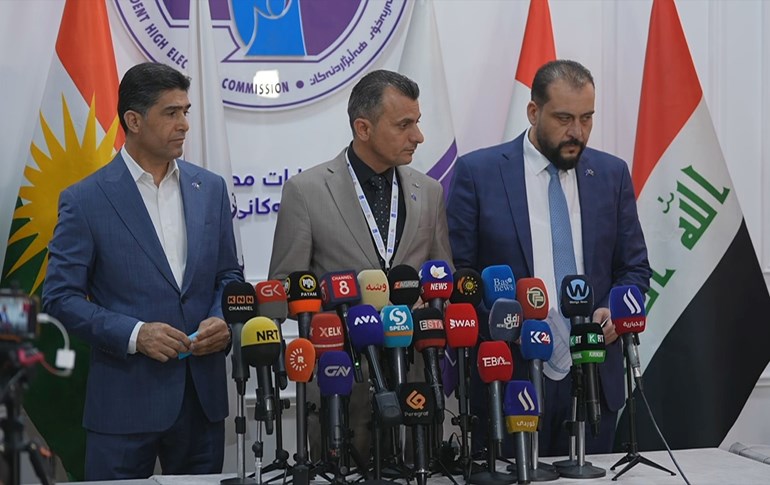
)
(18, 316)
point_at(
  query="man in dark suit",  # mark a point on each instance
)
(505, 205)
(140, 255)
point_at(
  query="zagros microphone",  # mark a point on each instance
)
(436, 283)
(300, 360)
(404, 283)
(374, 288)
(468, 287)
(326, 333)
(630, 319)
(532, 295)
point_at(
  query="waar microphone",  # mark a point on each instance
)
(374, 288)
(238, 307)
(536, 348)
(630, 319)
(304, 297)
(587, 347)
(436, 283)
(505, 319)
(495, 365)
(271, 303)
(533, 297)
(404, 283)
(260, 347)
(520, 406)
(339, 291)
(468, 287)
(429, 339)
(499, 282)
(300, 362)
(398, 329)
(365, 330)
(326, 333)
(418, 408)
(576, 299)
(335, 381)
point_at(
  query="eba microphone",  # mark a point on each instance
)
(404, 283)
(498, 283)
(260, 347)
(495, 365)
(436, 283)
(304, 297)
(630, 319)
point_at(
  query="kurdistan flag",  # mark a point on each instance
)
(77, 132)
(707, 333)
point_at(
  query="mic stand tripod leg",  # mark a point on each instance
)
(281, 461)
(240, 443)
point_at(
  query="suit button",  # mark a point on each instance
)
(184, 299)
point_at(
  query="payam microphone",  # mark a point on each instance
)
(630, 319)
(398, 330)
(520, 406)
(429, 338)
(335, 382)
(436, 283)
(404, 283)
(586, 342)
(495, 365)
(238, 307)
(326, 333)
(533, 297)
(499, 282)
(339, 291)
(260, 347)
(468, 287)
(304, 297)
(505, 319)
(418, 409)
(271, 303)
(374, 288)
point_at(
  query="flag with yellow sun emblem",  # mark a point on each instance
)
(78, 132)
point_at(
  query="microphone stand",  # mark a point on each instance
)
(539, 472)
(491, 476)
(281, 461)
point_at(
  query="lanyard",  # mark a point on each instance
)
(386, 253)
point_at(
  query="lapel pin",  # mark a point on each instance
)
(196, 185)
(589, 172)
(414, 197)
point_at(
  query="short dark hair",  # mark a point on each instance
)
(574, 73)
(366, 99)
(143, 84)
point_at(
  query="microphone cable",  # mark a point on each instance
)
(654, 423)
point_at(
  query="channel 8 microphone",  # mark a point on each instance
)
(577, 299)
(586, 342)
(335, 382)
(532, 295)
(630, 319)
(260, 347)
(499, 282)
(238, 307)
(339, 291)
(398, 328)
(374, 288)
(468, 287)
(436, 283)
(495, 365)
(404, 283)
(304, 297)
(520, 406)
(326, 333)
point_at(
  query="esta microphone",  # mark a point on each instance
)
(436, 283)
(300, 360)
(505, 318)
(533, 297)
(304, 297)
(398, 328)
(339, 291)
(238, 307)
(374, 288)
(462, 325)
(588, 350)
(271, 303)
(468, 287)
(418, 409)
(326, 333)
(498, 283)
(261, 346)
(429, 339)
(335, 382)
(520, 406)
(576, 299)
(404, 283)
(495, 365)
(630, 319)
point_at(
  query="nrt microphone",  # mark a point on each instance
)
(577, 299)
(630, 319)
(339, 290)
(374, 288)
(326, 333)
(429, 338)
(304, 299)
(520, 406)
(404, 283)
(436, 283)
(495, 365)
(335, 381)
(238, 307)
(505, 318)
(532, 295)
(498, 283)
(468, 287)
(261, 346)
(398, 328)
(418, 408)
(587, 346)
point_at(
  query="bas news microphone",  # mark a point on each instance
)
(374, 288)
(429, 338)
(495, 365)
(404, 283)
(335, 382)
(418, 408)
(300, 362)
(505, 318)
(499, 282)
(630, 319)
(468, 287)
(238, 307)
(260, 347)
(588, 350)
(271, 303)
(533, 296)
(339, 291)
(520, 406)
(326, 333)
(436, 283)
(304, 299)
(576, 299)
(398, 329)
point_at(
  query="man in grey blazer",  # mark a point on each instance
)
(365, 209)
(141, 253)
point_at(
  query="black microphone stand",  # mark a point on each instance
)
(491, 476)
(281, 461)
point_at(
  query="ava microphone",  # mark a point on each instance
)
(418, 408)
(300, 362)
(304, 299)
(533, 296)
(260, 347)
(436, 283)
(271, 303)
(429, 338)
(398, 328)
(326, 333)
(339, 291)
(505, 319)
(238, 307)
(520, 406)
(498, 283)
(404, 283)
(630, 319)
(468, 287)
(588, 350)
(335, 382)
(374, 288)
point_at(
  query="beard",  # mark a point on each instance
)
(553, 152)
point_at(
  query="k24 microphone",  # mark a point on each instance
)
(499, 282)
(630, 319)
(533, 296)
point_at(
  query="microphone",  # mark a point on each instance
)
(404, 283)
(304, 299)
(339, 290)
(326, 333)
(577, 299)
(536, 347)
(436, 283)
(261, 346)
(468, 287)
(398, 329)
(505, 318)
(521, 409)
(495, 365)
(271, 301)
(300, 360)
(630, 319)
(374, 288)
(533, 297)
(418, 410)
(335, 382)
(587, 346)
(429, 338)
(498, 283)
(238, 307)
(366, 335)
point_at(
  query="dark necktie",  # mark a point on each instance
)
(381, 205)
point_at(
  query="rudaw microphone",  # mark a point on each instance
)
(430, 338)
(521, 416)
(339, 291)
(630, 319)
(326, 333)
(300, 362)
(374, 288)
(398, 329)
(468, 287)
(304, 297)
(505, 318)
(436, 283)
(532, 295)
(260, 347)
(271, 303)
(335, 382)
(499, 282)
(404, 283)
(418, 409)
(495, 365)
(588, 350)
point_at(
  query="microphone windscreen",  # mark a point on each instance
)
(418, 405)
(260, 342)
(238, 302)
(374, 288)
(339, 288)
(404, 283)
(576, 297)
(335, 376)
(302, 293)
(436, 280)
(627, 309)
(536, 340)
(495, 362)
(533, 297)
(468, 287)
(520, 407)
(505, 318)
(586, 342)
(428, 329)
(364, 327)
(300, 360)
(461, 324)
(499, 282)
(326, 333)
(397, 325)
(271, 300)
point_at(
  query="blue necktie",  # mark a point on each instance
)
(563, 265)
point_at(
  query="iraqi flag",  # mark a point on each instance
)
(537, 48)
(707, 332)
(77, 132)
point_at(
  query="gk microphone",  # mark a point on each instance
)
(271, 300)
(300, 360)
(468, 287)
(462, 325)
(630, 319)
(335, 381)
(404, 283)
(577, 299)
(532, 295)
(304, 299)
(498, 283)
(495, 365)
(261, 345)
(238, 307)
(326, 333)
(520, 406)
(505, 318)
(418, 409)
(374, 288)
(586, 342)
(436, 283)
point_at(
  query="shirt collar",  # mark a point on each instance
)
(533, 159)
(363, 171)
(138, 172)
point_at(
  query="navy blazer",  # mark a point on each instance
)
(107, 270)
(488, 223)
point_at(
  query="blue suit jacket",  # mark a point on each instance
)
(107, 270)
(489, 224)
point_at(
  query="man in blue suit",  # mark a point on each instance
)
(140, 255)
(500, 212)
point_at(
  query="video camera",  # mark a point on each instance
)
(18, 316)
